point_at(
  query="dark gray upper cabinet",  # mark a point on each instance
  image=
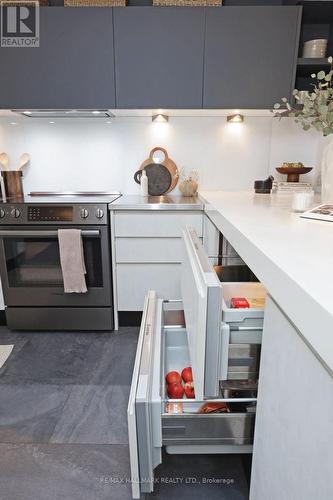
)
(72, 68)
(159, 57)
(250, 56)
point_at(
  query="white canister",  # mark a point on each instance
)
(302, 201)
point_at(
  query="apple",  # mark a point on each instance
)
(189, 390)
(173, 378)
(187, 374)
(175, 391)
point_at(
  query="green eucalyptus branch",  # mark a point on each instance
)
(317, 110)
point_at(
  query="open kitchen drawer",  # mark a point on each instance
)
(217, 342)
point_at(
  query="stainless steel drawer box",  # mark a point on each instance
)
(214, 428)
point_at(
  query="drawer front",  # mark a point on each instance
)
(149, 250)
(144, 406)
(227, 428)
(134, 281)
(202, 301)
(156, 224)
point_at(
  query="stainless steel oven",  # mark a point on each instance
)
(31, 273)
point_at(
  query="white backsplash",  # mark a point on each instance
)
(95, 155)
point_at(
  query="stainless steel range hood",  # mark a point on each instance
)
(64, 113)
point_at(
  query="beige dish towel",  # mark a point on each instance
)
(72, 260)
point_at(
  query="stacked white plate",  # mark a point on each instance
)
(315, 48)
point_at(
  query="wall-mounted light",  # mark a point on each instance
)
(236, 118)
(160, 118)
(27, 112)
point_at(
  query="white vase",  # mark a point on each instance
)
(327, 174)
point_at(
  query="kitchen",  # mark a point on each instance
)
(81, 417)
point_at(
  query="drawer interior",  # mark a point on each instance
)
(176, 356)
(248, 290)
(253, 290)
(192, 425)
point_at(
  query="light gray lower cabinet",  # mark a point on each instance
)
(292, 456)
(250, 56)
(134, 280)
(147, 252)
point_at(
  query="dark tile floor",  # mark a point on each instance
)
(63, 430)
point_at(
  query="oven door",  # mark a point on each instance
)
(31, 273)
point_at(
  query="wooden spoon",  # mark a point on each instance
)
(4, 160)
(24, 160)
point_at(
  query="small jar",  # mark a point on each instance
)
(188, 187)
(302, 201)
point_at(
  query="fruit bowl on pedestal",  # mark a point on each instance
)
(293, 171)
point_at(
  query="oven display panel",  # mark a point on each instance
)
(49, 213)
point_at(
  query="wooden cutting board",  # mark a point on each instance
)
(159, 174)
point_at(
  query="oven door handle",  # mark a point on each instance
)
(92, 233)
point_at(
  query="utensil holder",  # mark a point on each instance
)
(12, 180)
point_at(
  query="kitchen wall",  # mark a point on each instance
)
(99, 154)
(104, 154)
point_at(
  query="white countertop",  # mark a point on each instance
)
(292, 257)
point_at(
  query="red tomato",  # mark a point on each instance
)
(175, 391)
(173, 378)
(187, 374)
(189, 390)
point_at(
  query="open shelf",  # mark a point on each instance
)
(317, 23)
(317, 12)
(308, 65)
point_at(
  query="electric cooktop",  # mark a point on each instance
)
(64, 197)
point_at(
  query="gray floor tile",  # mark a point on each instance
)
(94, 414)
(64, 472)
(10, 335)
(29, 413)
(51, 358)
(111, 361)
(219, 477)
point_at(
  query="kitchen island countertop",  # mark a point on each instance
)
(292, 257)
(166, 202)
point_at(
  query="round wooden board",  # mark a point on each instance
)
(167, 162)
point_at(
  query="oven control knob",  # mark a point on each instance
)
(84, 213)
(2, 213)
(15, 212)
(99, 213)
